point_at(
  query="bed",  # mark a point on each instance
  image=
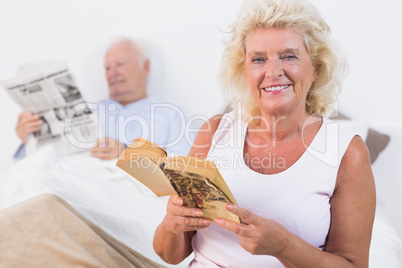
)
(128, 213)
(96, 189)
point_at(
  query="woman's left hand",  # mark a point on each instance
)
(257, 235)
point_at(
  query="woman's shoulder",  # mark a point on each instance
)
(216, 121)
(357, 152)
(203, 141)
(355, 167)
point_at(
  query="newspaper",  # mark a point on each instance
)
(50, 91)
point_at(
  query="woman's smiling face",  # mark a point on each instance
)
(279, 70)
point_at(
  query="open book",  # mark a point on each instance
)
(197, 181)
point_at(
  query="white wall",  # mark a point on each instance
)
(186, 45)
(184, 38)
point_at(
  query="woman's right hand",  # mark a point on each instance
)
(172, 239)
(180, 218)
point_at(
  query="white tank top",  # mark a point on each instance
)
(298, 198)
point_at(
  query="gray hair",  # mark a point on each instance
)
(140, 45)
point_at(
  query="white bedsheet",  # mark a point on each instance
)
(125, 208)
(98, 189)
(386, 245)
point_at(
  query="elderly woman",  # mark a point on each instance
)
(305, 190)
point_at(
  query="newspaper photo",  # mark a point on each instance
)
(50, 91)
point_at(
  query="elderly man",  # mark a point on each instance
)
(129, 111)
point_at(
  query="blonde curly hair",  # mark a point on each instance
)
(302, 17)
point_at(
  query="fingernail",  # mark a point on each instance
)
(206, 222)
(219, 221)
(180, 201)
(229, 206)
(198, 213)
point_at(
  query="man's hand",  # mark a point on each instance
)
(27, 123)
(107, 149)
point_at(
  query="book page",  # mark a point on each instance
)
(201, 167)
(197, 181)
(197, 191)
(146, 148)
(145, 171)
